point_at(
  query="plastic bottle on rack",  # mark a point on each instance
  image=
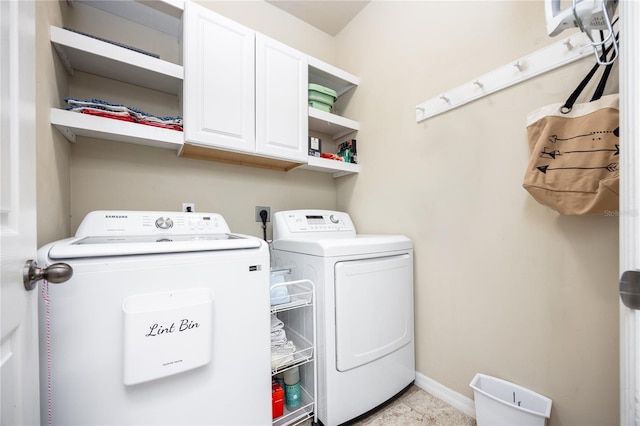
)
(292, 395)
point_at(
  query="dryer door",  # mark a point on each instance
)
(374, 308)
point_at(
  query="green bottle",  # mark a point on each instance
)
(292, 395)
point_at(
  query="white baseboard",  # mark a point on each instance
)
(451, 397)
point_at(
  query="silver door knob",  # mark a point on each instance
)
(630, 289)
(56, 273)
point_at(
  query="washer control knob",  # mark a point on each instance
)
(334, 219)
(164, 223)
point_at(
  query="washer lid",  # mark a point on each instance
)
(149, 244)
(125, 232)
(361, 244)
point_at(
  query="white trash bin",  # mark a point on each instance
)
(501, 403)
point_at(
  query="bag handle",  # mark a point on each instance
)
(568, 105)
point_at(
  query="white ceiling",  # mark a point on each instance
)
(330, 16)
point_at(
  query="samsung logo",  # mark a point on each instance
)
(115, 216)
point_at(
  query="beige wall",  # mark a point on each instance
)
(503, 285)
(108, 175)
(53, 193)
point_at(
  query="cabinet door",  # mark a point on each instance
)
(281, 100)
(219, 81)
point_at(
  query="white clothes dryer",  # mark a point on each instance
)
(165, 320)
(364, 286)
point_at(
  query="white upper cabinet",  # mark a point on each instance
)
(219, 100)
(244, 93)
(281, 100)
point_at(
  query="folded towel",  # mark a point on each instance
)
(276, 323)
(118, 111)
(279, 294)
(282, 354)
(278, 337)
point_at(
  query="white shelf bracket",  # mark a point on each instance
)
(67, 133)
(64, 58)
(542, 61)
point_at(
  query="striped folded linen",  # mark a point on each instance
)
(107, 109)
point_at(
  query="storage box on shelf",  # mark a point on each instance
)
(321, 97)
(80, 52)
(297, 312)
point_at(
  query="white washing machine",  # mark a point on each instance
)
(165, 320)
(364, 286)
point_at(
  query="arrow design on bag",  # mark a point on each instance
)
(612, 167)
(615, 151)
(554, 138)
(553, 154)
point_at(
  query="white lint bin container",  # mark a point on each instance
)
(501, 403)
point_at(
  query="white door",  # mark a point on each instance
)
(19, 393)
(369, 323)
(630, 207)
(282, 123)
(219, 98)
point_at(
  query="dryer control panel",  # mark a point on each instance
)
(312, 224)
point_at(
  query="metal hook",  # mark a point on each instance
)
(477, 83)
(444, 98)
(518, 65)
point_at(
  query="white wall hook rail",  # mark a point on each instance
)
(544, 60)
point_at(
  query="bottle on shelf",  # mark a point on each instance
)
(292, 395)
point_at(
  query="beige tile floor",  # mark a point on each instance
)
(415, 407)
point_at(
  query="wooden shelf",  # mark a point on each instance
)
(79, 52)
(72, 124)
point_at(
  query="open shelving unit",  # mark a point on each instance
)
(328, 123)
(85, 53)
(301, 330)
